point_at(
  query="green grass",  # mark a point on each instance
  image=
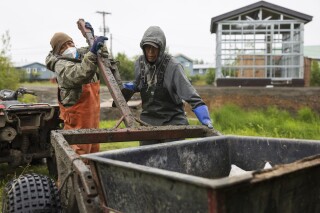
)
(117, 145)
(271, 122)
(230, 119)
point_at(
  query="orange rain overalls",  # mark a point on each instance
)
(85, 114)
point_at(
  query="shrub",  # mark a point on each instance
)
(210, 76)
(9, 76)
(194, 78)
(315, 74)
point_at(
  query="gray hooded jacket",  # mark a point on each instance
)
(162, 99)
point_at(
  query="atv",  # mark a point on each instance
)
(25, 130)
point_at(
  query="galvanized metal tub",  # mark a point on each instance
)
(193, 176)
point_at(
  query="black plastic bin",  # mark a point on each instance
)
(193, 176)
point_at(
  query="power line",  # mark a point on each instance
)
(103, 13)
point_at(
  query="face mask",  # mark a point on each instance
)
(71, 52)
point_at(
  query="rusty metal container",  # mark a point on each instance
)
(193, 176)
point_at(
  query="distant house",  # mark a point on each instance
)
(260, 44)
(186, 62)
(36, 71)
(202, 69)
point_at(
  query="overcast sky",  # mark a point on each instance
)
(186, 23)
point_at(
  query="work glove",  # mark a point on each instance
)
(127, 94)
(130, 86)
(203, 116)
(97, 44)
(88, 25)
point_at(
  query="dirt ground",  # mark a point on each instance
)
(287, 98)
(48, 94)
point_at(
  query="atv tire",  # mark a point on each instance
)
(31, 193)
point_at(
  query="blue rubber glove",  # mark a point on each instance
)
(202, 114)
(130, 86)
(97, 44)
(88, 25)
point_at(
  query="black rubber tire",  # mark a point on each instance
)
(31, 193)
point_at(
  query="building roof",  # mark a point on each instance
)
(26, 64)
(183, 56)
(261, 4)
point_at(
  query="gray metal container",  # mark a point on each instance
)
(193, 176)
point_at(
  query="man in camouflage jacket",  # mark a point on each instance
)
(78, 84)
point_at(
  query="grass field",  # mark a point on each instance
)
(231, 119)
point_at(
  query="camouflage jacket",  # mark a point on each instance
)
(73, 73)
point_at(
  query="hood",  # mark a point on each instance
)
(156, 35)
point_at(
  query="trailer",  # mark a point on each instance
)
(194, 176)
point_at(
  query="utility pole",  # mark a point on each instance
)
(104, 27)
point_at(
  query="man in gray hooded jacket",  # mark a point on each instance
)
(163, 85)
